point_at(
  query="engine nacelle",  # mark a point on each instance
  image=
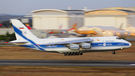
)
(85, 45)
(73, 47)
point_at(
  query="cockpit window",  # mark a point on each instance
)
(118, 38)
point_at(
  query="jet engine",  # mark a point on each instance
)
(73, 47)
(85, 45)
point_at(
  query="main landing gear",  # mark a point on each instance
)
(113, 52)
(72, 53)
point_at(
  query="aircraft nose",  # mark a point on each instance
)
(130, 44)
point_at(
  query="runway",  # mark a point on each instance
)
(68, 63)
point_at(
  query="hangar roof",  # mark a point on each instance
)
(130, 12)
(106, 12)
(43, 10)
(122, 8)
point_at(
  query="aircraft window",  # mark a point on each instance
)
(55, 45)
(48, 45)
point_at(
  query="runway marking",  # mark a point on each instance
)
(132, 64)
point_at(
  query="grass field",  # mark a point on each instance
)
(16, 52)
(65, 71)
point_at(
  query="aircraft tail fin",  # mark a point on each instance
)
(21, 31)
(121, 26)
(28, 26)
(74, 26)
(60, 26)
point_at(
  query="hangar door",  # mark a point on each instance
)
(118, 22)
(50, 22)
(99, 21)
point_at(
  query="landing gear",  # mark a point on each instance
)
(69, 53)
(113, 52)
(81, 53)
(65, 54)
(72, 53)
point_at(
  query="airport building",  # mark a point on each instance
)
(115, 17)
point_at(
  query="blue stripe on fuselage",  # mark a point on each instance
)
(108, 44)
(44, 46)
(32, 42)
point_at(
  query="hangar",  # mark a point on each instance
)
(107, 17)
(54, 18)
(50, 19)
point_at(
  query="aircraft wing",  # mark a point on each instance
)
(71, 41)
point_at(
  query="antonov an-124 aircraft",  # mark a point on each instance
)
(66, 46)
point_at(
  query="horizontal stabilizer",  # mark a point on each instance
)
(18, 41)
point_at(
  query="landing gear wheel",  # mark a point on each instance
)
(78, 53)
(81, 53)
(72, 53)
(65, 54)
(68, 53)
(75, 53)
(113, 52)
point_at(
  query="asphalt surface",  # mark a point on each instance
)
(68, 63)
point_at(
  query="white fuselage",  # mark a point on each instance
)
(98, 44)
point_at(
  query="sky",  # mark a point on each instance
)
(24, 7)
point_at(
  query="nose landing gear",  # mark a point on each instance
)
(113, 52)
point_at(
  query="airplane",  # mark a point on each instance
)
(67, 46)
(28, 26)
(84, 32)
(1, 24)
(60, 31)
